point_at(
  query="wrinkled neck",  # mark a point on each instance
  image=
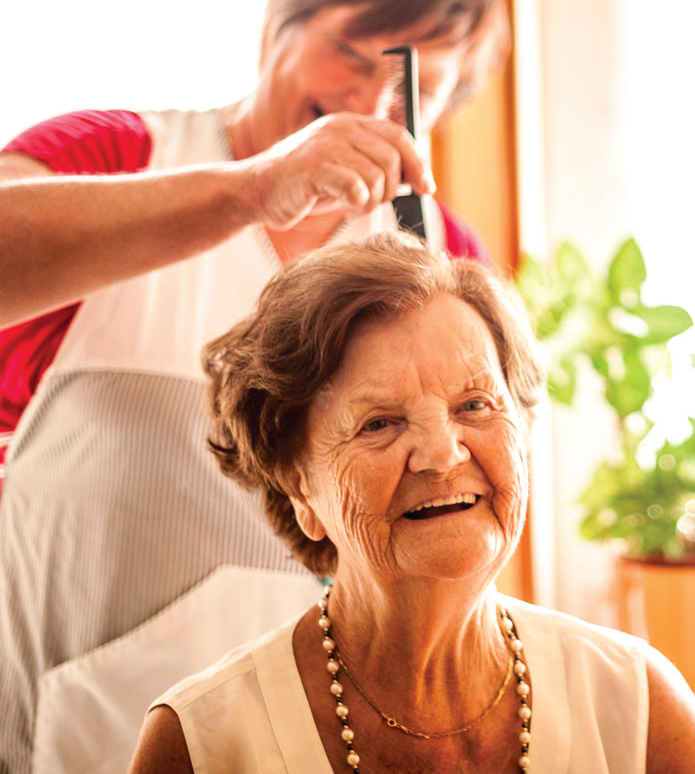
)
(407, 648)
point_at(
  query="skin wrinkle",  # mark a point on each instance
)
(434, 669)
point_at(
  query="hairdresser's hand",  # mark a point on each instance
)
(342, 161)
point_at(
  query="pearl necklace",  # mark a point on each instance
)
(335, 662)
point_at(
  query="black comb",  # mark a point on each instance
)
(403, 83)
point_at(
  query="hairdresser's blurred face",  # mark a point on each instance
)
(315, 68)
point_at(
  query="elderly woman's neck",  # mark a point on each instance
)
(425, 626)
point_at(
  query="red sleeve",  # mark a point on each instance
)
(461, 240)
(87, 142)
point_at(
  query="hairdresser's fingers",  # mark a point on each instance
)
(336, 183)
(284, 190)
(342, 160)
(328, 187)
(391, 147)
(347, 139)
(414, 168)
(355, 165)
(376, 158)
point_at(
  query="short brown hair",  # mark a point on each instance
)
(266, 371)
(482, 24)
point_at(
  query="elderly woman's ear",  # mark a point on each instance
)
(306, 516)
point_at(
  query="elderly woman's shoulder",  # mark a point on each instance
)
(595, 663)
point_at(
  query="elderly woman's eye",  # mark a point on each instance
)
(374, 425)
(474, 404)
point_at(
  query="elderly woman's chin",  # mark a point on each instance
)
(469, 545)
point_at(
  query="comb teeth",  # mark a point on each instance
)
(404, 98)
(403, 88)
(396, 89)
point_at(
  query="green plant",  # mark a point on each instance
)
(601, 319)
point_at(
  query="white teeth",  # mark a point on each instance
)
(468, 498)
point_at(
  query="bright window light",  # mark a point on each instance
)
(75, 54)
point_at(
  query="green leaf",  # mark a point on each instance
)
(629, 393)
(664, 322)
(600, 363)
(627, 271)
(571, 266)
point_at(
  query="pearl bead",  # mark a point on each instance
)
(328, 644)
(347, 734)
(353, 759)
(336, 689)
(333, 667)
(525, 713)
(522, 689)
(524, 737)
(507, 624)
(325, 622)
(516, 645)
(323, 603)
(341, 711)
(524, 762)
(519, 668)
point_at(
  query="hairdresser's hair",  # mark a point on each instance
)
(266, 371)
(478, 28)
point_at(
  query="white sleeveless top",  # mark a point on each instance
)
(249, 713)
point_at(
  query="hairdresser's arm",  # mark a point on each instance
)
(64, 236)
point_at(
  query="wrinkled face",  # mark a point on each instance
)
(315, 68)
(415, 463)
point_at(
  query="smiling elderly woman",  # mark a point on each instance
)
(380, 397)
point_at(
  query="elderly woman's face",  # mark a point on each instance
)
(415, 462)
(315, 68)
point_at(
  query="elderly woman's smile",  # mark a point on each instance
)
(409, 435)
(442, 505)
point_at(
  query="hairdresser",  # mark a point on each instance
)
(113, 518)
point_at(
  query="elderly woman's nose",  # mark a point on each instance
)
(438, 449)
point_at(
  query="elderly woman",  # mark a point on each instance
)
(380, 396)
